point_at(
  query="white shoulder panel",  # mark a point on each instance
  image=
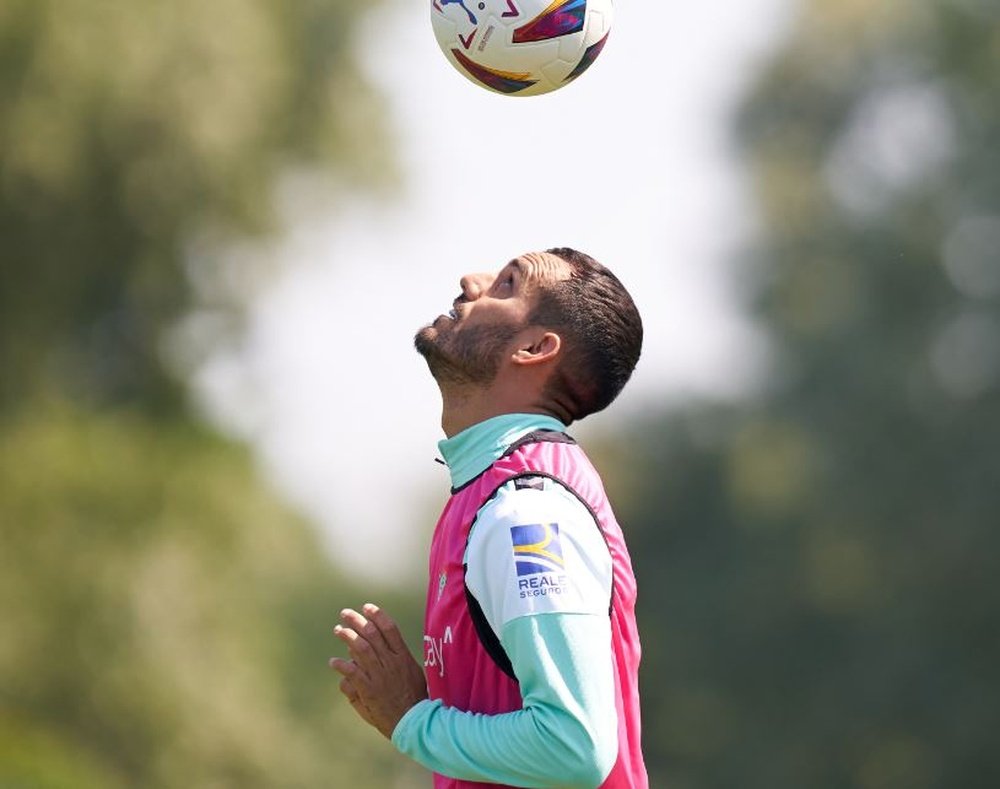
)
(536, 549)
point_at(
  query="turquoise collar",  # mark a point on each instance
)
(469, 453)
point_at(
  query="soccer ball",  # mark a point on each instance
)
(521, 47)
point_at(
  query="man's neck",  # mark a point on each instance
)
(463, 406)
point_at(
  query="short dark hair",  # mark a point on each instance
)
(601, 329)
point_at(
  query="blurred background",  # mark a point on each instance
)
(221, 224)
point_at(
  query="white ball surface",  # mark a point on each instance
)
(521, 47)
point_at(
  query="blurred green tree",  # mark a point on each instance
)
(818, 564)
(127, 130)
(165, 619)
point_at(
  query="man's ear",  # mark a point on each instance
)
(538, 348)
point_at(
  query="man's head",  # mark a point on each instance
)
(601, 330)
(557, 322)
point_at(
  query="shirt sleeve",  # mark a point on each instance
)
(565, 735)
(541, 572)
(536, 549)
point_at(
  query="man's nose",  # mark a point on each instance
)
(474, 285)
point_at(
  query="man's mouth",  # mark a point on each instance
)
(451, 315)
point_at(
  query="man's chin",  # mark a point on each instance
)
(442, 368)
(425, 343)
(450, 360)
(424, 340)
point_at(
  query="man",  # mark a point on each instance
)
(531, 648)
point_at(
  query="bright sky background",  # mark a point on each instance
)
(631, 163)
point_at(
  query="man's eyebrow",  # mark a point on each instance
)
(518, 264)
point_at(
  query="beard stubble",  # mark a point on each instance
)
(468, 356)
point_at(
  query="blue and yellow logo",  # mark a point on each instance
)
(537, 548)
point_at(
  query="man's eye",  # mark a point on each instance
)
(504, 282)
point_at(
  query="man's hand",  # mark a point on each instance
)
(381, 680)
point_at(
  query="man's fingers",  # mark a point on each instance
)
(350, 671)
(381, 680)
(348, 689)
(387, 627)
(361, 649)
(345, 634)
(365, 628)
(344, 667)
(348, 635)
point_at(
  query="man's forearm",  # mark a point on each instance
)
(566, 733)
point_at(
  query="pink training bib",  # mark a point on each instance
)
(459, 669)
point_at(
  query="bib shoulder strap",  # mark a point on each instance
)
(538, 436)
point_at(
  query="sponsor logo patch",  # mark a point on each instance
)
(537, 549)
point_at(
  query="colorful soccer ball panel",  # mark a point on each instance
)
(589, 56)
(521, 47)
(500, 81)
(559, 19)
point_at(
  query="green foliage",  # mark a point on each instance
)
(166, 623)
(34, 759)
(817, 565)
(129, 129)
